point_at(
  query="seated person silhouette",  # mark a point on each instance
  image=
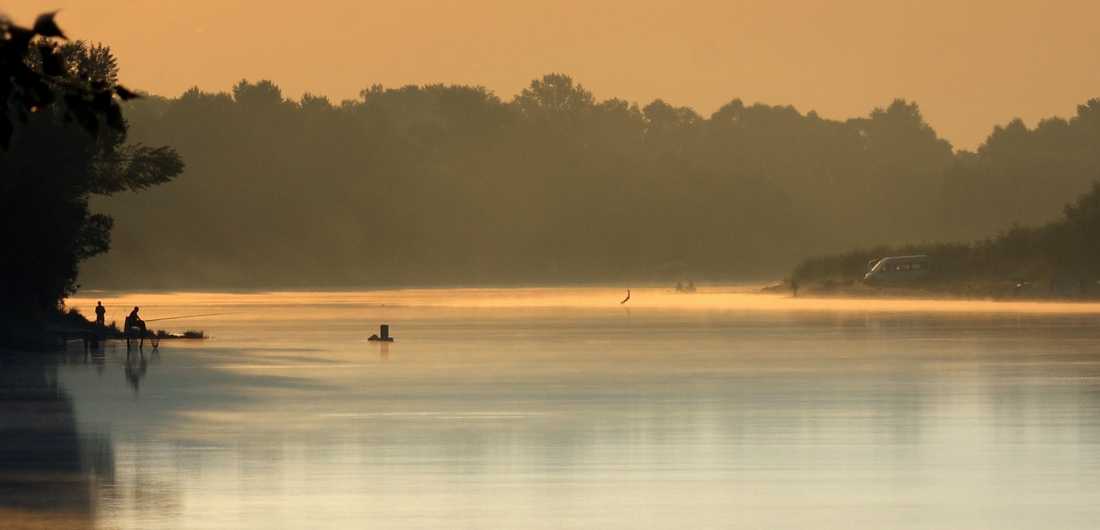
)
(134, 323)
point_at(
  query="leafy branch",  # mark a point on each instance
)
(34, 74)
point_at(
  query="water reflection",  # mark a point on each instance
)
(550, 417)
(136, 366)
(48, 469)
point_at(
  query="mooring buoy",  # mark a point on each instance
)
(385, 332)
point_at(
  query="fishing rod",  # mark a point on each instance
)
(187, 316)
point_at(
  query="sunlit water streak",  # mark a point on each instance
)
(561, 408)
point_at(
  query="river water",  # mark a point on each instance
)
(563, 408)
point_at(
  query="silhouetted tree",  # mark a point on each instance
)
(1022, 175)
(51, 168)
(554, 94)
(35, 73)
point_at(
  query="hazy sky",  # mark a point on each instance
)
(969, 64)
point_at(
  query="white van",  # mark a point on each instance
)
(898, 268)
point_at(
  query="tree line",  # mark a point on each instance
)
(445, 184)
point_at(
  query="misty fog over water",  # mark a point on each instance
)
(550, 408)
(517, 255)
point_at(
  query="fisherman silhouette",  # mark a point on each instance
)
(134, 321)
(100, 313)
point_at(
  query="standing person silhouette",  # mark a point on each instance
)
(794, 288)
(100, 313)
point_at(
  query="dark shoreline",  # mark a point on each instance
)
(997, 291)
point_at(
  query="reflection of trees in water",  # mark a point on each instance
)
(1037, 388)
(48, 470)
(853, 389)
(142, 480)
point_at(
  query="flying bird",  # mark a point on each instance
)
(627, 297)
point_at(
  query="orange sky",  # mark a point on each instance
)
(969, 64)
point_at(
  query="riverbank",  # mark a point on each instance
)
(55, 334)
(1083, 290)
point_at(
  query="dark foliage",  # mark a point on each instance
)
(35, 73)
(67, 143)
(1061, 250)
(451, 185)
(1022, 175)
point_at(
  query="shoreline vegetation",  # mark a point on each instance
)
(1059, 260)
(987, 290)
(456, 185)
(73, 324)
(62, 140)
(549, 187)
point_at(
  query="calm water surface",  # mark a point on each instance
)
(562, 408)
